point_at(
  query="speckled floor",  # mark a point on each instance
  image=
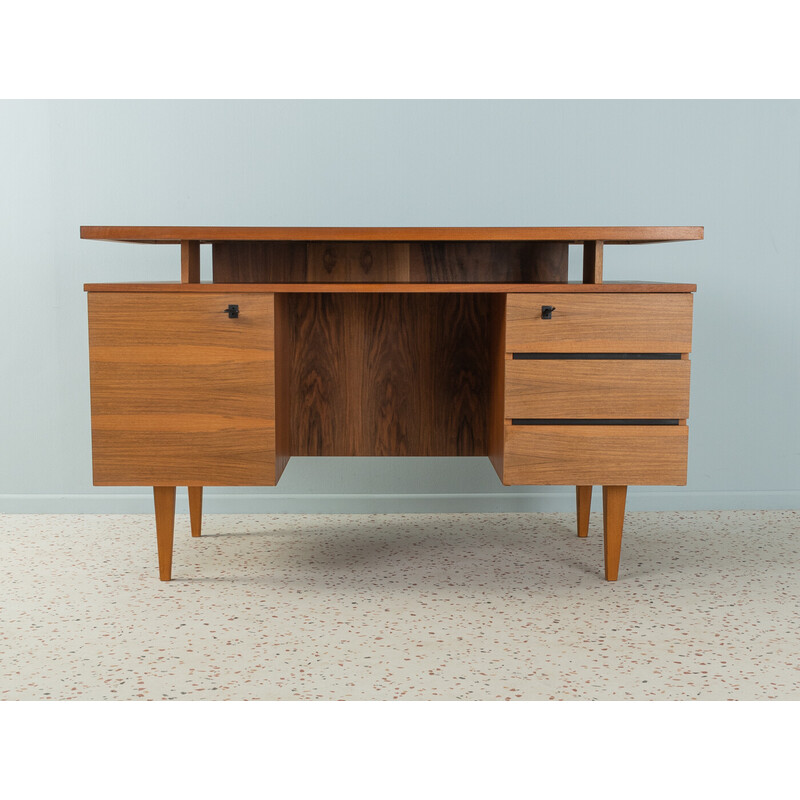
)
(417, 606)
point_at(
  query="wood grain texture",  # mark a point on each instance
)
(166, 234)
(181, 394)
(613, 520)
(400, 375)
(593, 262)
(234, 456)
(283, 372)
(196, 509)
(401, 288)
(358, 262)
(390, 262)
(595, 455)
(507, 262)
(190, 262)
(624, 323)
(583, 507)
(258, 262)
(545, 262)
(164, 501)
(497, 381)
(623, 389)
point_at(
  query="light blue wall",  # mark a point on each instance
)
(731, 166)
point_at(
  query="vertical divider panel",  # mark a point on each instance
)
(497, 369)
(283, 367)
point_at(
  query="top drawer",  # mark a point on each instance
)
(599, 323)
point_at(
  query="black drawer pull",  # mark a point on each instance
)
(547, 312)
(232, 311)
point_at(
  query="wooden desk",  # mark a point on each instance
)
(390, 342)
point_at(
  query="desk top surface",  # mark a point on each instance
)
(164, 234)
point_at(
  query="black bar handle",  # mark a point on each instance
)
(232, 311)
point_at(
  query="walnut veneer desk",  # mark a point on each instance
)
(390, 342)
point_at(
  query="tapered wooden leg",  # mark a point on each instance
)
(613, 517)
(583, 503)
(164, 497)
(196, 508)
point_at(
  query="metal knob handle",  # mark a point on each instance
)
(232, 311)
(547, 312)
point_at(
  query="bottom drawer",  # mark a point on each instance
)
(585, 455)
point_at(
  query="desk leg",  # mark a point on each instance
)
(164, 498)
(613, 517)
(583, 503)
(196, 508)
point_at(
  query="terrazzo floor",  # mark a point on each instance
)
(411, 607)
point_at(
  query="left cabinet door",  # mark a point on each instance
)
(182, 393)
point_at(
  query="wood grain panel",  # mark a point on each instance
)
(323, 410)
(259, 262)
(166, 234)
(497, 381)
(466, 262)
(586, 455)
(238, 392)
(392, 413)
(389, 374)
(600, 389)
(453, 339)
(592, 323)
(593, 262)
(283, 370)
(229, 457)
(181, 393)
(196, 320)
(354, 262)
(190, 262)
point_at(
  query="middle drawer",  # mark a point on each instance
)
(597, 389)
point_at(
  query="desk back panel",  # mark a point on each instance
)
(390, 262)
(389, 374)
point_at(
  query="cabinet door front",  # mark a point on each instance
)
(183, 393)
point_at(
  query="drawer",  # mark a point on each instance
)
(599, 323)
(599, 389)
(595, 455)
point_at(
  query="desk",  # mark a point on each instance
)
(390, 342)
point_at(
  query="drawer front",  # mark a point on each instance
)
(599, 389)
(181, 393)
(601, 323)
(587, 455)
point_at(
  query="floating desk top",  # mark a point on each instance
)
(167, 234)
